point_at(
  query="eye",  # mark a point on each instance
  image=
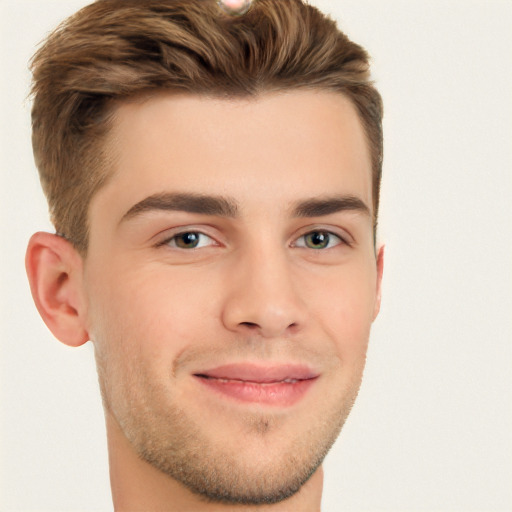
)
(189, 240)
(318, 240)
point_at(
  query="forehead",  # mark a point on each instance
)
(276, 147)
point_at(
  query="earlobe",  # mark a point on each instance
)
(54, 270)
(380, 271)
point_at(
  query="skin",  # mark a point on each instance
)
(255, 290)
(235, 7)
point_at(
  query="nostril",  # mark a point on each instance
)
(251, 325)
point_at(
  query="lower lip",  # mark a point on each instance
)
(281, 394)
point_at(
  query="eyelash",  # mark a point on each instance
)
(174, 238)
(172, 241)
(323, 233)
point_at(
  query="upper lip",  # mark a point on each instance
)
(250, 372)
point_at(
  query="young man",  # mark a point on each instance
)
(213, 175)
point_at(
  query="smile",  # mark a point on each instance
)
(280, 386)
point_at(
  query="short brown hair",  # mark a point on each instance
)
(115, 49)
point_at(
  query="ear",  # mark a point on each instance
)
(54, 270)
(380, 270)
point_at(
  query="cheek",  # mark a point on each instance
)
(344, 308)
(157, 313)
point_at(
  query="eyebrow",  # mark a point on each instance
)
(227, 207)
(192, 203)
(326, 206)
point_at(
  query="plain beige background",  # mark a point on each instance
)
(432, 426)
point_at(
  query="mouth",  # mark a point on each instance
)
(280, 386)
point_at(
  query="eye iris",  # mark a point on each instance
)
(317, 240)
(187, 240)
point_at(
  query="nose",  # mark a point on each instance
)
(262, 298)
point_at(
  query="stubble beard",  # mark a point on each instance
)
(180, 447)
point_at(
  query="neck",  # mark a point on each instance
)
(137, 486)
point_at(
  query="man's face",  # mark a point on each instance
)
(231, 332)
